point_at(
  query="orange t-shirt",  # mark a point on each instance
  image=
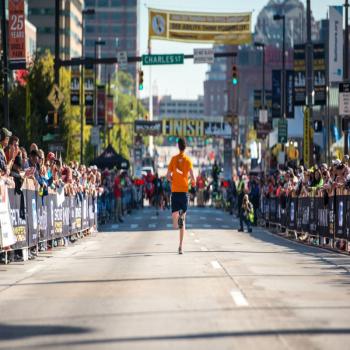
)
(180, 166)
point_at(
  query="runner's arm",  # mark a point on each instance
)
(193, 180)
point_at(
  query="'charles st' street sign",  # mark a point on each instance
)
(148, 60)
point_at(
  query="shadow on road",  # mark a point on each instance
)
(14, 332)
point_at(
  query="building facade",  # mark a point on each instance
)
(116, 23)
(42, 14)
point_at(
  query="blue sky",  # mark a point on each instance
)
(186, 81)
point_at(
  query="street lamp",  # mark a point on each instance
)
(262, 45)
(99, 43)
(283, 18)
(86, 12)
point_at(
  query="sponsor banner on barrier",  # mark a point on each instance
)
(32, 218)
(9, 234)
(218, 28)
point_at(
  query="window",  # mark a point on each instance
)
(90, 29)
(41, 11)
(45, 30)
(116, 2)
(103, 16)
(89, 3)
(102, 3)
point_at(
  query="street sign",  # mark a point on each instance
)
(203, 56)
(122, 57)
(282, 131)
(344, 99)
(148, 60)
(55, 97)
(95, 136)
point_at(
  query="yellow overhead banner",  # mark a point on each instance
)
(216, 28)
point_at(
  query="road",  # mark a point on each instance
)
(127, 288)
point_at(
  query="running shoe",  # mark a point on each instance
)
(180, 220)
(180, 250)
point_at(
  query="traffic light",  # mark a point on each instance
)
(234, 75)
(140, 80)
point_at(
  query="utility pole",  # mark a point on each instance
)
(57, 42)
(309, 72)
(346, 69)
(5, 65)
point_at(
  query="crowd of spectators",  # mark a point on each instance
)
(45, 170)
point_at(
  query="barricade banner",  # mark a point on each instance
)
(85, 213)
(305, 212)
(322, 210)
(91, 211)
(78, 213)
(347, 214)
(292, 208)
(58, 217)
(273, 209)
(51, 216)
(32, 218)
(66, 208)
(18, 219)
(299, 215)
(331, 216)
(340, 211)
(313, 215)
(42, 210)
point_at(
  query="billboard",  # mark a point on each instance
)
(110, 110)
(215, 28)
(17, 35)
(319, 65)
(335, 44)
(75, 87)
(145, 127)
(289, 94)
(299, 75)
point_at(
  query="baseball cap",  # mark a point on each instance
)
(51, 156)
(6, 132)
(336, 162)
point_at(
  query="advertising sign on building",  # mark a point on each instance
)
(335, 44)
(145, 127)
(299, 75)
(101, 104)
(276, 94)
(307, 138)
(17, 37)
(344, 99)
(75, 87)
(110, 110)
(289, 94)
(218, 28)
(89, 88)
(319, 66)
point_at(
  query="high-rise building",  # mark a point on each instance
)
(42, 14)
(116, 23)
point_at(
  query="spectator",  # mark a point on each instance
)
(118, 196)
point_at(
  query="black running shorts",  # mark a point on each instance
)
(179, 201)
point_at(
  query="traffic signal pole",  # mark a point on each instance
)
(5, 65)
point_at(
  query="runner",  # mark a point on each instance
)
(179, 168)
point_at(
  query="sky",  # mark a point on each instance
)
(186, 81)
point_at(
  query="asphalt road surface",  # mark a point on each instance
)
(127, 288)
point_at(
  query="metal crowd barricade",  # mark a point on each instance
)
(319, 217)
(35, 219)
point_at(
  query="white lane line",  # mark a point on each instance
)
(216, 265)
(218, 219)
(169, 226)
(207, 226)
(204, 249)
(134, 225)
(152, 225)
(239, 298)
(115, 226)
(34, 269)
(197, 240)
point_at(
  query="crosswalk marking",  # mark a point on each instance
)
(134, 225)
(152, 225)
(215, 264)
(239, 298)
(207, 226)
(115, 226)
